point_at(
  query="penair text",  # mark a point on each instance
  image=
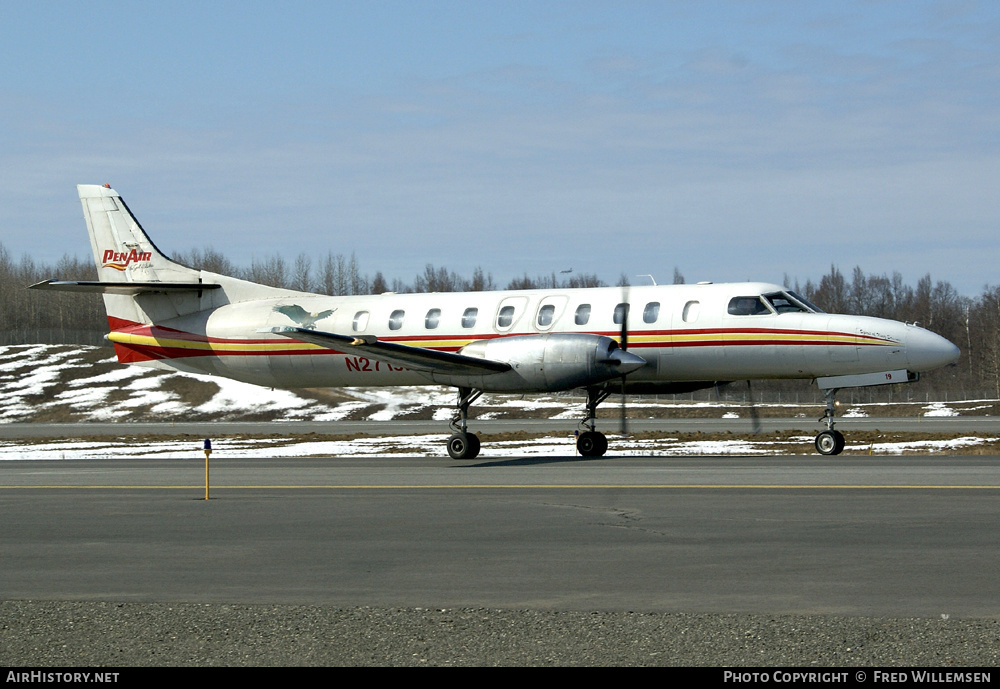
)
(120, 260)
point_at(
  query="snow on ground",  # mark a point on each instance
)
(88, 384)
(76, 383)
(922, 445)
(939, 409)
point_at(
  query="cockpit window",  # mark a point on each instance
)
(789, 302)
(747, 306)
(806, 303)
(782, 303)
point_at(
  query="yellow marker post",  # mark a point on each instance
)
(208, 451)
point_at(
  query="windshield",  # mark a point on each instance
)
(790, 302)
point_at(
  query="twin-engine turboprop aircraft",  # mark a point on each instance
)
(655, 339)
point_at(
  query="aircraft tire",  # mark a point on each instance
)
(592, 444)
(830, 443)
(463, 446)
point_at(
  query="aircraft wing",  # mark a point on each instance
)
(414, 358)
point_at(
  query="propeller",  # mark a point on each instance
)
(623, 344)
(754, 415)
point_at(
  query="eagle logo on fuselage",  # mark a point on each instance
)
(301, 316)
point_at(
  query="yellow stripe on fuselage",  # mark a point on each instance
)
(205, 346)
(285, 345)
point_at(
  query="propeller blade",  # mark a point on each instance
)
(754, 416)
(623, 344)
(623, 425)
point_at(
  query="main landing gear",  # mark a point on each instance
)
(592, 443)
(830, 441)
(465, 445)
(462, 444)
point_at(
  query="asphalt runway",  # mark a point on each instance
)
(874, 536)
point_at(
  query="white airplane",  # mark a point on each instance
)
(649, 339)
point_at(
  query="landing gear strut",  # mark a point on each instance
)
(592, 443)
(462, 444)
(830, 441)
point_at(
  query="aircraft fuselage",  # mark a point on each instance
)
(685, 334)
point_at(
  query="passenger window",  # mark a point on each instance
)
(505, 317)
(469, 318)
(621, 313)
(432, 318)
(545, 315)
(360, 321)
(651, 312)
(747, 306)
(396, 319)
(690, 313)
(582, 314)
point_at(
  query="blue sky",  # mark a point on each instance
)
(732, 140)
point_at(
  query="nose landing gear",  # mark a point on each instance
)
(830, 441)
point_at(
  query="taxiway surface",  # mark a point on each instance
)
(901, 536)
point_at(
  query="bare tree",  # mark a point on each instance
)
(301, 279)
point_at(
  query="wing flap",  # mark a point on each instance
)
(414, 358)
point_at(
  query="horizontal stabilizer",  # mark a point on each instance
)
(130, 288)
(415, 358)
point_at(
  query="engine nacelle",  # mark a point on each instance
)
(548, 362)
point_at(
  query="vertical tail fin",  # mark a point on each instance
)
(122, 249)
(140, 285)
(125, 254)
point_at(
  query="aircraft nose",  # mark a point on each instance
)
(926, 350)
